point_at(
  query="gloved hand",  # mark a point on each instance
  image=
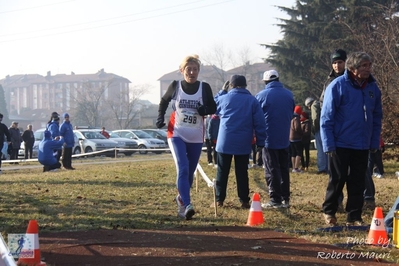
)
(201, 109)
(373, 150)
(331, 153)
(259, 148)
(226, 86)
(160, 121)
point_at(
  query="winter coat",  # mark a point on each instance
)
(54, 128)
(295, 129)
(306, 128)
(66, 130)
(16, 138)
(240, 114)
(351, 116)
(46, 150)
(277, 104)
(28, 138)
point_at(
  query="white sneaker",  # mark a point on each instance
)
(210, 163)
(180, 207)
(249, 166)
(215, 166)
(189, 212)
(54, 170)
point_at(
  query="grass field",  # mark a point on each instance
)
(137, 192)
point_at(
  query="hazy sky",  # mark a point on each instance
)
(140, 40)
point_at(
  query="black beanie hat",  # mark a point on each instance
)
(338, 54)
(238, 81)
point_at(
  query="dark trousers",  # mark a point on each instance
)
(260, 159)
(277, 173)
(339, 164)
(208, 144)
(67, 157)
(241, 171)
(379, 166)
(369, 191)
(28, 151)
(14, 153)
(305, 154)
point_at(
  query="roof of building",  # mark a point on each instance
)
(28, 79)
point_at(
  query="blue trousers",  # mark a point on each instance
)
(186, 157)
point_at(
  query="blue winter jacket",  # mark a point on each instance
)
(66, 131)
(351, 117)
(278, 105)
(54, 128)
(46, 150)
(240, 116)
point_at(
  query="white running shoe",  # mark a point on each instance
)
(189, 213)
(181, 211)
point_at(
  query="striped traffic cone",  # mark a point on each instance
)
(33, 233)
(255, 216)
(378, 234)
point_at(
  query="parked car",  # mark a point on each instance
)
(144, 140)
(157, 134)
(90, 140)
(124, 143)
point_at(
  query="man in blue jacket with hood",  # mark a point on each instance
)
(350, 123)
(66, 131)
(47, 156)
(240, 116)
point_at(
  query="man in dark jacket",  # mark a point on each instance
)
(16, 140)
(3, 132)
(29, 141)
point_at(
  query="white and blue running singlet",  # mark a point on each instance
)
(185, 121)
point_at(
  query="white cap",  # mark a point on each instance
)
(270, 75)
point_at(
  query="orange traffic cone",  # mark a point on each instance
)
(378, 234)
(32, 233)
(255, 216)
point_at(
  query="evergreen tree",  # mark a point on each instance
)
(3, 107)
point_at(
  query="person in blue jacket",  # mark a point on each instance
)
(54, 127)
(240, 116)
(278, 105)
(46, 155)
(66, 131)
(350, 122)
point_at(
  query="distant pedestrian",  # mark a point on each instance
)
(306, 137)
(66, 131)
(240, 116)
(16, 140)
(296, 140)
(278, 106)
(105, 133)
(29, 140)
(54, 127)
(5, 137)
(208, 142)
(315, 110)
